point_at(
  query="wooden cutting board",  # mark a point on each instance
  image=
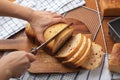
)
(44, 63)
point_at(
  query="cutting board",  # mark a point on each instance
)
(44, 63)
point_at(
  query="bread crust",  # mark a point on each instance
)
(110, 7)
(31, 34)
(86, 54)
(114, 61)
(72, 48)
(95, 58)
(79, 53)
(55, 44)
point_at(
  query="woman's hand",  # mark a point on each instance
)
(40, 20)
(15, 64)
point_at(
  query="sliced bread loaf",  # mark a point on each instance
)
(79, 53)
(71, 47)
(114, 61)
(55, 44)
(95, 58)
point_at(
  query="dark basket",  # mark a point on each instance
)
(114, 29)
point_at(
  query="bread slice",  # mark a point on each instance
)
(95, 58)
(110, 7)
(114, 61)
(85, 56)
(71, 47)
(86, 42)
(55, 44)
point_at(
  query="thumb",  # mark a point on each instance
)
(31, 57)
(40, 38)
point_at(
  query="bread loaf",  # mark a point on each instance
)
(70, 48)
(78, 51)
(55, 44)
(114, 61)
(95, 58)
(110, 7)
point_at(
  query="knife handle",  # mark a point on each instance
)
(33, 51)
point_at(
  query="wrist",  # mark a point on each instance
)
(33, 16)
(29, 17)
(5, 72)
(8, 74)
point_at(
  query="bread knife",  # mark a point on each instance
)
(35, 49)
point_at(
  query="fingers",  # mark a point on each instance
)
(56, 20)
(40, 38)
(18, 62)
(57, 16)
(43, 20)
(53, 14)
(63, 20)
(31, 57)
(18, 75)
(27, 65)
